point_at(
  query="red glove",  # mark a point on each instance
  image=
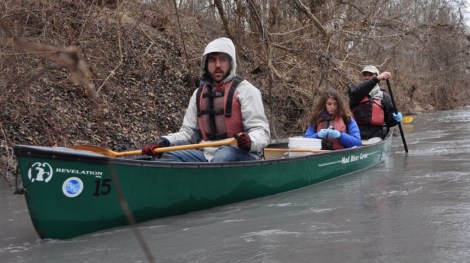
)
(149, 149)
(243, 141)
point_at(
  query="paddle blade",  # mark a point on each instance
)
(407, 119)
(95, 149)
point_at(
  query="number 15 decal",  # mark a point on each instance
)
(102, 187)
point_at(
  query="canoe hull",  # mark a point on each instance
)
(69, 193)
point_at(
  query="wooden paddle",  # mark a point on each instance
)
(111, 153)
(396, 111)
(293, 150)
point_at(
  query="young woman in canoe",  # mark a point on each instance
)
(332, 122)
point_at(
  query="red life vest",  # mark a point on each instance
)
(219, 111)
(369, 111)
(339, 125)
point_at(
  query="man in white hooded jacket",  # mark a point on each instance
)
(224, 106)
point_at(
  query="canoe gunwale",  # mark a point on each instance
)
(72, 155)
(33, 151)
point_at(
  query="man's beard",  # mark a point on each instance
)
(218, 81)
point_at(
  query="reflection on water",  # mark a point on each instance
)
(408, 128)
(412, 208)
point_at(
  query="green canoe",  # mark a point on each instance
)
(74, 192)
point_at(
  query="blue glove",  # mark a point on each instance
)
(397, 116)
(322, 133)
(334, 134)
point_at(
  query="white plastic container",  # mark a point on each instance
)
(299, 142)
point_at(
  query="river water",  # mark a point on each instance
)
(414, 207)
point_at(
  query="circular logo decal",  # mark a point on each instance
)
(41, 172)
(72, 187)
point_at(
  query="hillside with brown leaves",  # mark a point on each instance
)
(119, 74)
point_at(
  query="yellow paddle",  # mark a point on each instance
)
(407, 119)
(111, 153)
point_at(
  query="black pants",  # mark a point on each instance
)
(368, 131)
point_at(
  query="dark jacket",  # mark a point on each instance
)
(357, 93)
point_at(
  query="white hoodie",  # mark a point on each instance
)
(252, 109)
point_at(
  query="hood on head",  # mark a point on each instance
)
(220, 45)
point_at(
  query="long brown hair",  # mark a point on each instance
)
(320, 107)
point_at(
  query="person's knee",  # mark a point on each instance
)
(167, 157)
(231, 154)
(224, 154)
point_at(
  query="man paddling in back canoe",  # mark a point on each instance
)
(225, 106)
(372, 108)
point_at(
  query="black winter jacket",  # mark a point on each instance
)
(357, 93)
